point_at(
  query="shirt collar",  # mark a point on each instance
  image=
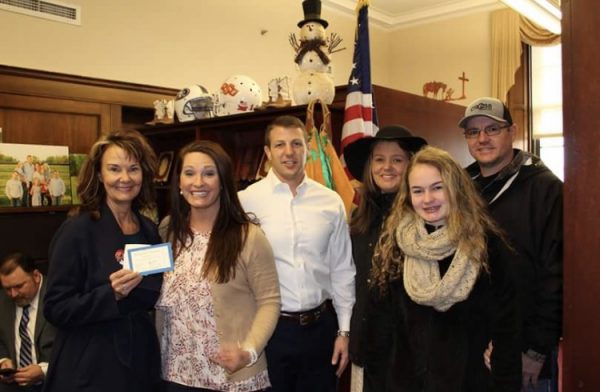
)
(276, 184)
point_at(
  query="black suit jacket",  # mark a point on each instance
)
(44, 331)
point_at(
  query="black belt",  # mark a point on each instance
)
(309, 316)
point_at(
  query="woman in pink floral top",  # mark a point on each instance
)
(221, 302)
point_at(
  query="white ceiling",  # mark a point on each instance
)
(394, 14)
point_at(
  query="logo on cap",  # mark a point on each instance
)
(482, 106)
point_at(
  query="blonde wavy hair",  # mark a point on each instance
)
(468, 221)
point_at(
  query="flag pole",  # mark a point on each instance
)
(360, 115)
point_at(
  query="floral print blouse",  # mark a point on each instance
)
(189, 337)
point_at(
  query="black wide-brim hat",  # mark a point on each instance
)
(356, 154)
(312, 13)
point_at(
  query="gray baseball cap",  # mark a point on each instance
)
(488, 107)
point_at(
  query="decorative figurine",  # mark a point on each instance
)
(312, 56)
(163, 112)
(279, 93)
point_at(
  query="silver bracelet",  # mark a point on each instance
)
(253, 356)
(345, 334)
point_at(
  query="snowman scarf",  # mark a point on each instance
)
(312, 45)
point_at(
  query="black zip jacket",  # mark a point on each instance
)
(525, 198)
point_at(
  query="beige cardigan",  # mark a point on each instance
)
(247, 307)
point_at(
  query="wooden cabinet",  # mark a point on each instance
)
(241, 135)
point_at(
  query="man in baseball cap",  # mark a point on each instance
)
(488, 107)
(525, 198)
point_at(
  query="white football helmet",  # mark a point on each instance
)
(194, 103)
(238, 94)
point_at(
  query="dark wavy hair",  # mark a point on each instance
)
(230, 229)
(91, 190)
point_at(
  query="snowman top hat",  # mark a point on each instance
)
(312, 13)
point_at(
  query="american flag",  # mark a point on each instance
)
(360, 116)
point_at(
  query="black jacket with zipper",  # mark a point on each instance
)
(525, 198)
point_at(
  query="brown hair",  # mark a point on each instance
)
(90, 189)
(230, 230)
(284, 122)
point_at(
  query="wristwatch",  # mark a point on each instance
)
(345, 334)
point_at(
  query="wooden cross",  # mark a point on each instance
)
(463, 79)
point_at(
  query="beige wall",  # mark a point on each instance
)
(181, 42)
(442, 51)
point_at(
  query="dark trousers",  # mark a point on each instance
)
(16, 388)
(299, 356)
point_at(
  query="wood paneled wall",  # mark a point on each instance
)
(39, 107)
(435, 121)
(53, 121)
(581, 103)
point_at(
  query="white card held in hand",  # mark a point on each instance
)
(149, 259)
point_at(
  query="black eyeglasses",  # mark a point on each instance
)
(490, 130)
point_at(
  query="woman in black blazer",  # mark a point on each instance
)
(106, 339)
(379, 163)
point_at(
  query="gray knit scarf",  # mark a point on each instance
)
(422, 279)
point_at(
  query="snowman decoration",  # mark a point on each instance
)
(312, 56)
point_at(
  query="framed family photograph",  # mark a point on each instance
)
(34, 175)
(165, 161)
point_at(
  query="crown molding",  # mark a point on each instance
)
(389, 21)
(545, 13)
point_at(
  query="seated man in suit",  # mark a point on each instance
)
(25, 336)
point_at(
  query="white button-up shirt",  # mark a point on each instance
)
(311, 243)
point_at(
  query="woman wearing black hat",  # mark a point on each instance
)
(379, 163)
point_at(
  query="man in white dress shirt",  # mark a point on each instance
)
(23, 288)
(305, 223)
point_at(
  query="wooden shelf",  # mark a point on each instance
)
(241, 135)
(35, 210)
